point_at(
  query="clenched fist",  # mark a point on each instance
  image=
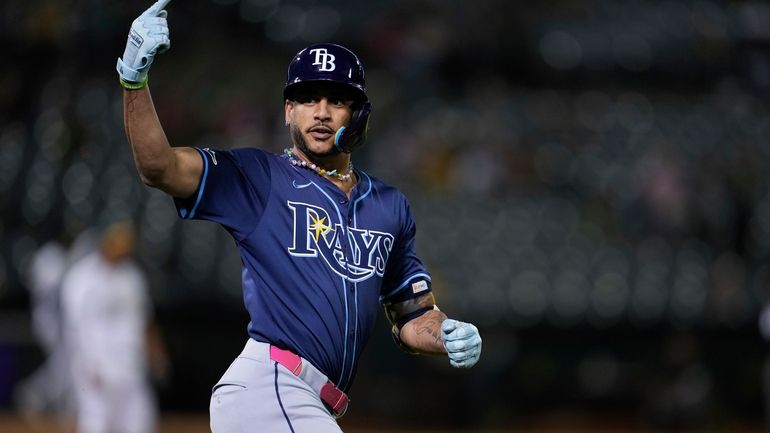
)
(462, 343)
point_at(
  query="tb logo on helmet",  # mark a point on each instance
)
(323, 58)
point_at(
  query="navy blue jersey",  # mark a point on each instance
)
(316, 265)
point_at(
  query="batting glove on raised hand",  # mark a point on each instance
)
(462, 343)
(149, 35)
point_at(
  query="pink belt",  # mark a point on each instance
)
(334, 398)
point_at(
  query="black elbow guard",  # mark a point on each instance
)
(401, 321)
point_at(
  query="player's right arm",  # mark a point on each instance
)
(175, 171)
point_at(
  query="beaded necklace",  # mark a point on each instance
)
(294, 160)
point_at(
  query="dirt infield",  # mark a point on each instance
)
(10, 423)
(177, 423)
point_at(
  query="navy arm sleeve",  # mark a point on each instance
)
(233, 189)
(405, 277)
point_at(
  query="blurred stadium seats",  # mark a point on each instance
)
(589, 182)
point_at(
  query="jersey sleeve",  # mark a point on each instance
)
(232, 190)
(405, 276)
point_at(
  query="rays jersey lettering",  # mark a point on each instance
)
(315, 234)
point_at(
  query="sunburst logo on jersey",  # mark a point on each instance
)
(319, 226)
(354, 253)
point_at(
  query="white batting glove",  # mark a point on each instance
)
(462, 343)
(149, 35)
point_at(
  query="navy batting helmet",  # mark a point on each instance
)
(326, 62)
(334, 64)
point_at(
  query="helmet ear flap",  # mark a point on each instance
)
(347, 139)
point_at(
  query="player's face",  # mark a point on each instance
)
(314, 116)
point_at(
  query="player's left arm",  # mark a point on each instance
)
(420, 327)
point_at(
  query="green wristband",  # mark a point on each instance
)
(128, 85)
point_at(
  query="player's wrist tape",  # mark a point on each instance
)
(128, 85)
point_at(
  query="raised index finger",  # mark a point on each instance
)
(156, 7)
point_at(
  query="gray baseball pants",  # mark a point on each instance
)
(257, 394)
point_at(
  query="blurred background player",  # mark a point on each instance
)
(47, 390)
(322, 244)
(109, 331)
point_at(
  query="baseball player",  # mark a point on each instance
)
(107, 316)
(323, 244)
